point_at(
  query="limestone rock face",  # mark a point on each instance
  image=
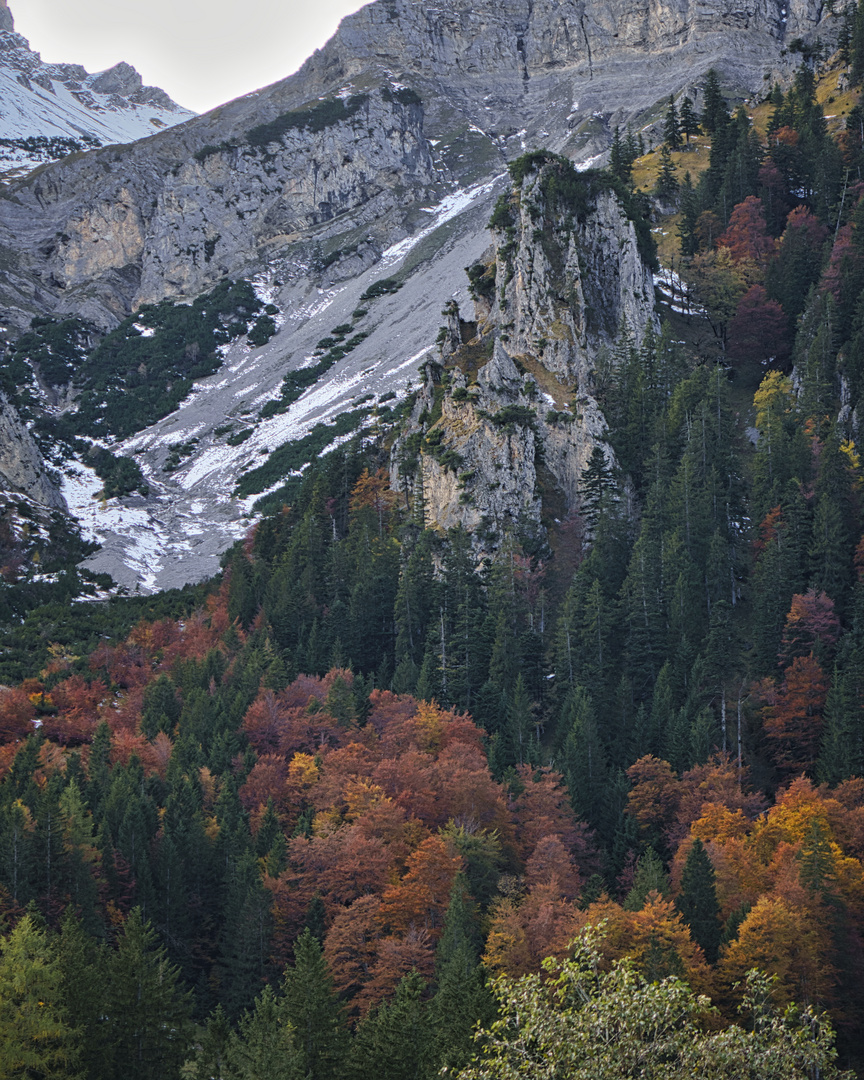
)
(6, 20)
(569, 275)
(492, 436)
(22, 468)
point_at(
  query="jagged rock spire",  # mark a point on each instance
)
(6, 20)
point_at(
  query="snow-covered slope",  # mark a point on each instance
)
(50, 110)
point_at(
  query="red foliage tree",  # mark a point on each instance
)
(747, 236)
(17, 713)
(758, 332)
(811, 623)
(420, 899)
(792, 715)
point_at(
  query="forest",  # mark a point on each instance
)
(602, 796)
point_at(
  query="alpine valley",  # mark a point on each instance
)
(432, 553)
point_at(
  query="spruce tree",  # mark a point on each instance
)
(714, 111)
(666, 185)
(671, 126)
(461, 1000)
(393, 1040)
(620, 162)
(148, 1007)
(697, 901)
(689, 120)
(650, 877)
(265, 1044)
(314, 1012)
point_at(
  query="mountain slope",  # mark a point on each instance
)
(49, 110)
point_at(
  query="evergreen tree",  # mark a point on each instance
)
(714, 111)
(666, 185)
(671, 126)
(688, 119)
(520, 726)
(650, 877)
(211, 1061)
(313, 1011)
(82, 962)
(596, 487)
(148, 1008)
(689, 208)
(620, 161)
(265, 1045)
(584, 759)
(697, 901)
(392, 1041)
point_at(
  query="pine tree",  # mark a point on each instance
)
(697, 901)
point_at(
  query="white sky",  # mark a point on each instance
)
(200, 53)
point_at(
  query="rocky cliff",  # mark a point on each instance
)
(493, 78)
(22, 468)
(509, 418)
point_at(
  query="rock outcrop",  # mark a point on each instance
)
(22, 467)
(511, 413)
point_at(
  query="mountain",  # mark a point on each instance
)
(351, 195)
(50, 110)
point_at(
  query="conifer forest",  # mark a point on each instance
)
(364, 807)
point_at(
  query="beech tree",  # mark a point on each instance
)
(615, 1023)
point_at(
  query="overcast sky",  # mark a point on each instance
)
(202, 53)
